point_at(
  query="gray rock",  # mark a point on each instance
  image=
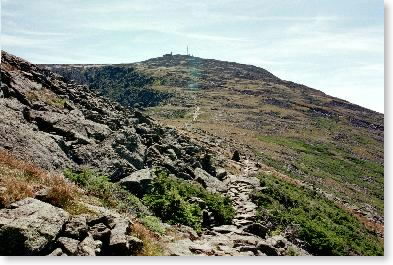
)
(68, 245)
(29, 227)
(267, 248)
(257, 229)
(57, 252)
(221, 173)
(245, 240)
(105, 217)
(58, 125)
(179, 248)
(76, 228)
(138, 182)
(224, 229)
(205, 249)
(188, 232)
(252, 249)
(191, 149)
(100, 231)
(171, 154)
(118, 240)
(135, 245)
(87, 247)
(277, 241)
(207, 181)
(98, 247)
(153, 156)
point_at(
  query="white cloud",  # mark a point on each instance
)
(17, 41)
(283, 18)
(39, 33)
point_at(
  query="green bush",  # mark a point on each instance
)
(327, 229)
(153, 223)
(171, 200)
(111, 194)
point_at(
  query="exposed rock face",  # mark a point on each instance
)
(118, 241)
(29, 226)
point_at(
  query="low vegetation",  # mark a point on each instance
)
(20, 180)
(325, 162)
(179, 202)
(153, 223)
(173, 200)
(110, 194)
(48, 97)
(325, 228)
(122, 84)
(151, 243)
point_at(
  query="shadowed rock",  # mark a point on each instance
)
(29, 226)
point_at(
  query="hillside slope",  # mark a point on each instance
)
(322, 141)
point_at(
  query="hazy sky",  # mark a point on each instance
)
(336, 46)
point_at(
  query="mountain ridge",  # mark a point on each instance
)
(192, 58)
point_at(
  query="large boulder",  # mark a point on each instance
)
(118, 240)
(100, 232)
(267, 248)
(207, 164)
(138, 182)
(208, 181)
(29, 226)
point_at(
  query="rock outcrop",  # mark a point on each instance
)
(59, 125)
(33, 227)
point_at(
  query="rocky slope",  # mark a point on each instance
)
(61, 125)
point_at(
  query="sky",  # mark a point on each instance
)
(336, 46)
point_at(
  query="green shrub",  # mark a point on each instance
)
(327, 229)
(171, 200)
(153, 223)
(111, 194)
